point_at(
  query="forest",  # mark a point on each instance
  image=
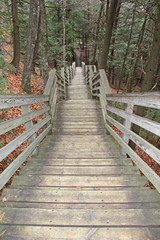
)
(120, 36)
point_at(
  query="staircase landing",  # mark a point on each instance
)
(79, 186)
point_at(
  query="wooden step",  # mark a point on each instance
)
(83, 218)
(78, 162)
(96, 206)
(79, 170)
(18, 232)
(81, 196)
(78, 181)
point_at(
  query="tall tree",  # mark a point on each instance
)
(153, 58)
(64, 5)
(132, 74)
(151, 68)
(44, 40)
(108, 34)
(111, 68)
(31, 42)
(127, 49)
(96, 38)
(16, 38)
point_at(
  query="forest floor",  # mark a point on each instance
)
(13, 86)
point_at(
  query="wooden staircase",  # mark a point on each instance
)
(79, 186)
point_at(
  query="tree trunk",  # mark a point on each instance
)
(31, 42)
(44, 40)
(108, 34)
(36, 49)
(16, 39)
(64, 32)
(150, 70)
(132, 74)
(97, 32)
(111, 68)
(153, 59)
(126, 53)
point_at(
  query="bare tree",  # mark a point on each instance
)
(108, 34)
(16, 39)
(31, 42)
(44, 40)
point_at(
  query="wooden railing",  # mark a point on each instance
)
(119, 111)
(34, 133)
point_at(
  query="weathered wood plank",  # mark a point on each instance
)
(10, 147)
(94, 162)
(89, 206)
(142, 143)
(50, 82)
(13, 123)
(60, 77)
(150, 99)
(12, 168)
(82, 196)
(80, 170)
(112, 218)
(78, 181)
(145, 123)
(127, 123)
(146, 170)
(78, 233)
(96, 89)
(7, 101)
(104, 81)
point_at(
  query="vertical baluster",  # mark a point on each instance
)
(127, 123)
(26, 109)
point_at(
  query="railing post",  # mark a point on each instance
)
(74, 68)
(90, 77)
(104, 89)
(52, 102)
(87, 74)
(127, 123)
(26, 109)
(63, 76)
(48, 88)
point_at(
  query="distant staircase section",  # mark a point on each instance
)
(79, 185)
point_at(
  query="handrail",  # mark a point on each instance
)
(34, 133)
(100, 89)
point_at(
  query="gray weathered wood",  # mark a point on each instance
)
(127, 124)
(12, 168)
(145, 123)
(84, 218)
(150, 99)
(79, 233)
(78, 181)
(28, 125)
(142, 143)
(104, 82)
(50, 82)
(7, 101)
(13, 123)
(10, 147)
(146, 170)
(79, 196)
